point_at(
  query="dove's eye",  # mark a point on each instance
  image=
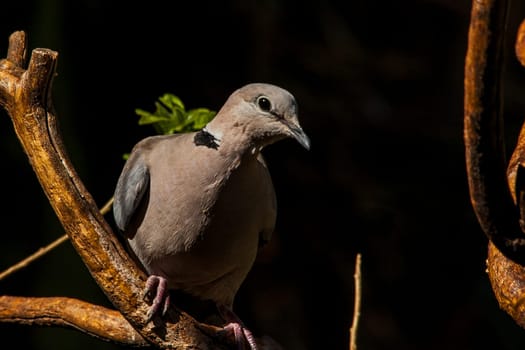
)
(264, 103)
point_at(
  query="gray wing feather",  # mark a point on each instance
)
(131, 186)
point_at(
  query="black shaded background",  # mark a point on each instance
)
(380, 92)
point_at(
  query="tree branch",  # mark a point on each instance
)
(498, 202)
(357, 303)
(26, 96)
(483, 129)
(508, 283)
(507, 277)
(94, 320)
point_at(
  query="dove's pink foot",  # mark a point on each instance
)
(242, 334)
(157, 289)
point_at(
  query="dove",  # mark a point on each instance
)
(195, 207)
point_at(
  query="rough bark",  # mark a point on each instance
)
(496, 193)
(483, 129)
(97, 321)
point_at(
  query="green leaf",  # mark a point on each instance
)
(170, 116)
(200, 117)
(149, 118)
(172, 101)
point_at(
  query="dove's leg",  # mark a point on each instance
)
(157, 288)
(241, 333)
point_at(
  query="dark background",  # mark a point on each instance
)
(380, 92)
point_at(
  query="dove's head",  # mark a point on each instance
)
(261, 114)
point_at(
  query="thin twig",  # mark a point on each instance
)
(38, 254)
(357, 303)
(43, 251)
(105, 209)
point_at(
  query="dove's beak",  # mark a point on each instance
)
(298, 134)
